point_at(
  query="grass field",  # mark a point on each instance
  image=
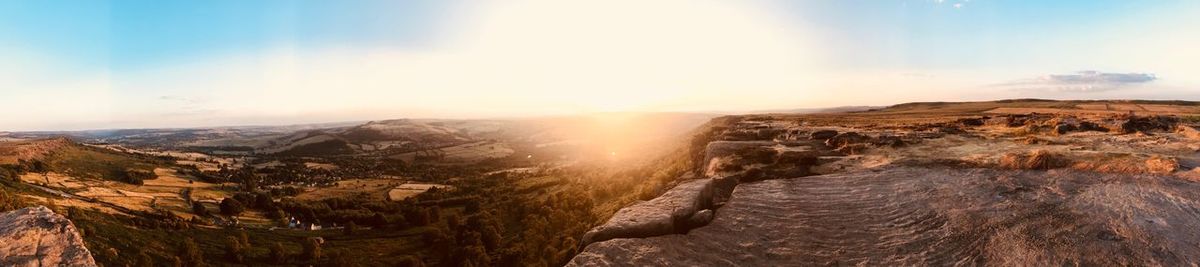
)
(406, 191)
(374, 189)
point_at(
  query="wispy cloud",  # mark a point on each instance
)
(1082, 81)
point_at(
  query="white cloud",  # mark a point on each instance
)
(1082, 81)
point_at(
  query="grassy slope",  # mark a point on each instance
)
(96, 163)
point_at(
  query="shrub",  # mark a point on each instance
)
(312, 249)
(190, 254)
(350, 228)
(411, 261)
(10, 201)
(233, 250)
(340, 259)
(278, 254)
(232, 207)
(199, 209)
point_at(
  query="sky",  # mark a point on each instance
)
(72, 65)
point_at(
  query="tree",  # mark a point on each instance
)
(9, 174)
(144, 260)
(453, 222)
(399, 221)
(350, 228)
(473, 206)
(278, 254)
(312, 249)
(199, 209)
(420, 217)
(487, 228)
(378, 220)
(233, 250)
(38, 166)
(263, 200)
(232, 207)
(245, 239)
(275, 213)
(411, 261)
(470, 251)
(190, 254)
(340, 259)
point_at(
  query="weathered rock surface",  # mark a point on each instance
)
(718, 149)
(1148, 124)
(38, 237)
(1189, 131)
(822, 134)
(935, 216)
(844, 139)
(664, 215)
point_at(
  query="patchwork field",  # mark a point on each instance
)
(169, 191)
(470, 152)
(406, 191)
(373, 189)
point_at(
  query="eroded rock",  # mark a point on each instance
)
(971, 122)
(1148, 124)
(699, 219)
(846, 138)
(934, 217)
(38, 237)
(1188, 131)
(666, 214)
(822, 134)
(1032, 160)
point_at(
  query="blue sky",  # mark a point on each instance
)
(116, 64)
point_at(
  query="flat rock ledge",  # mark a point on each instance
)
(934, 216)
(37, 236)
(664, 215)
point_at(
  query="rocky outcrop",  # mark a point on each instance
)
(38, 237)
(905, 216)
(1188, 131)
(721, 149)
(671, 213)
(1148, 124)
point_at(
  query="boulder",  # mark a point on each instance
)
(797, 156)
(971, 122)
(1136, 124)
(1064, 128)
(723, 188)
(37, 236)
(1033, 160)
(889, 141)
(1088, 126)
(664, 215)
(1188, 131)
(701, 218)
(846, 138)
(1161, 165)
(720, 149)
(822, 134)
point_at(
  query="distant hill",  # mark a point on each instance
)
(1050, 106)
(607, 131)
(65, 156)
(818, 110)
